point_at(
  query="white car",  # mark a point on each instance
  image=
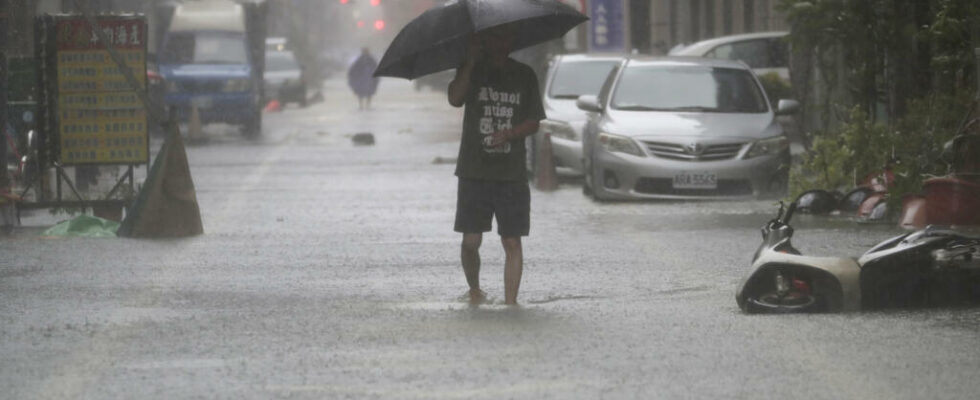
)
(284, 78)
(764, 52)
(683, 128)
(569, 76)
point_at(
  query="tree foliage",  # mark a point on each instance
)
(883, 83)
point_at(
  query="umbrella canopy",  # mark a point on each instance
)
(436, 40)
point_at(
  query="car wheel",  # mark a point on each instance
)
(302, 97)
(778, 186)
(586, 177)
(253, 127)
(593, 182)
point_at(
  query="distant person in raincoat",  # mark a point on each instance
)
(361, 80)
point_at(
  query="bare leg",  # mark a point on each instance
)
(470, 257)
(513, 267)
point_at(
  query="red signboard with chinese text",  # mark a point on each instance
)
(76, 34)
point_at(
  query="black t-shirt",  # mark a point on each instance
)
(498, 99)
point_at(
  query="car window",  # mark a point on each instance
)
(778, 53)
(688, 88)
(761, 53)
(723, 52)
(275, 44)
(573, 79)
(607, 84)
(204, 48)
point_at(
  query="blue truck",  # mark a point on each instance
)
(212, 59)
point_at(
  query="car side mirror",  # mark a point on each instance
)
(588, 103)
(787, 106)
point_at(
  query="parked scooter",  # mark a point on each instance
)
(932, 266)
(955, 197)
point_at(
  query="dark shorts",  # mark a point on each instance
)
(477, 201)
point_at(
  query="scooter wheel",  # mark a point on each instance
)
(772, 303)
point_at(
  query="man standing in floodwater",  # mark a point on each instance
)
(502, 107)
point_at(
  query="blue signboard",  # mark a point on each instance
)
(607, 26)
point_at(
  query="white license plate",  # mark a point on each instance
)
(695, 180)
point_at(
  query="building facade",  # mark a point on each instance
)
(659, 25)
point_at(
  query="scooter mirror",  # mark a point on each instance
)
(789, 212)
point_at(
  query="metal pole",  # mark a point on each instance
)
(4, 9)
(976, 52)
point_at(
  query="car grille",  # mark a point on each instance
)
(712, 152)
(200, 87)
(665, 186)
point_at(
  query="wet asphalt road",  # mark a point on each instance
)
(329, 270)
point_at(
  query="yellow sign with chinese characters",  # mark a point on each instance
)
(100, 117)
(102, 128)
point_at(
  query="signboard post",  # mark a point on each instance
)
(3, 96)
(609, 26)
(92, 76)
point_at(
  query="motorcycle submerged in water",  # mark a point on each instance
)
(929, 267)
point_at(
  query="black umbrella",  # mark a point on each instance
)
(436, 40)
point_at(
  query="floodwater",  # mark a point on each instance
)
(329, 270)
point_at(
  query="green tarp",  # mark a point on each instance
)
(84, 226)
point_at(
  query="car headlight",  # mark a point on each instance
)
(559, 129)
(773, 145)
(620, 144)
(235, 85)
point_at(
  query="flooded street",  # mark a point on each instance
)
(331, 270)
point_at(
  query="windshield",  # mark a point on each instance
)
(688, 88)
(573, 79)
(204, 48)
(280, 61)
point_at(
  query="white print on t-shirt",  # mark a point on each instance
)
(498, 111)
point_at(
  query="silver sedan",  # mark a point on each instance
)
(683, 128)
(570, 76)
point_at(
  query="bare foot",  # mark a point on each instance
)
(474, 296)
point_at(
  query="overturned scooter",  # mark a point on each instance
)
(928, 267)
